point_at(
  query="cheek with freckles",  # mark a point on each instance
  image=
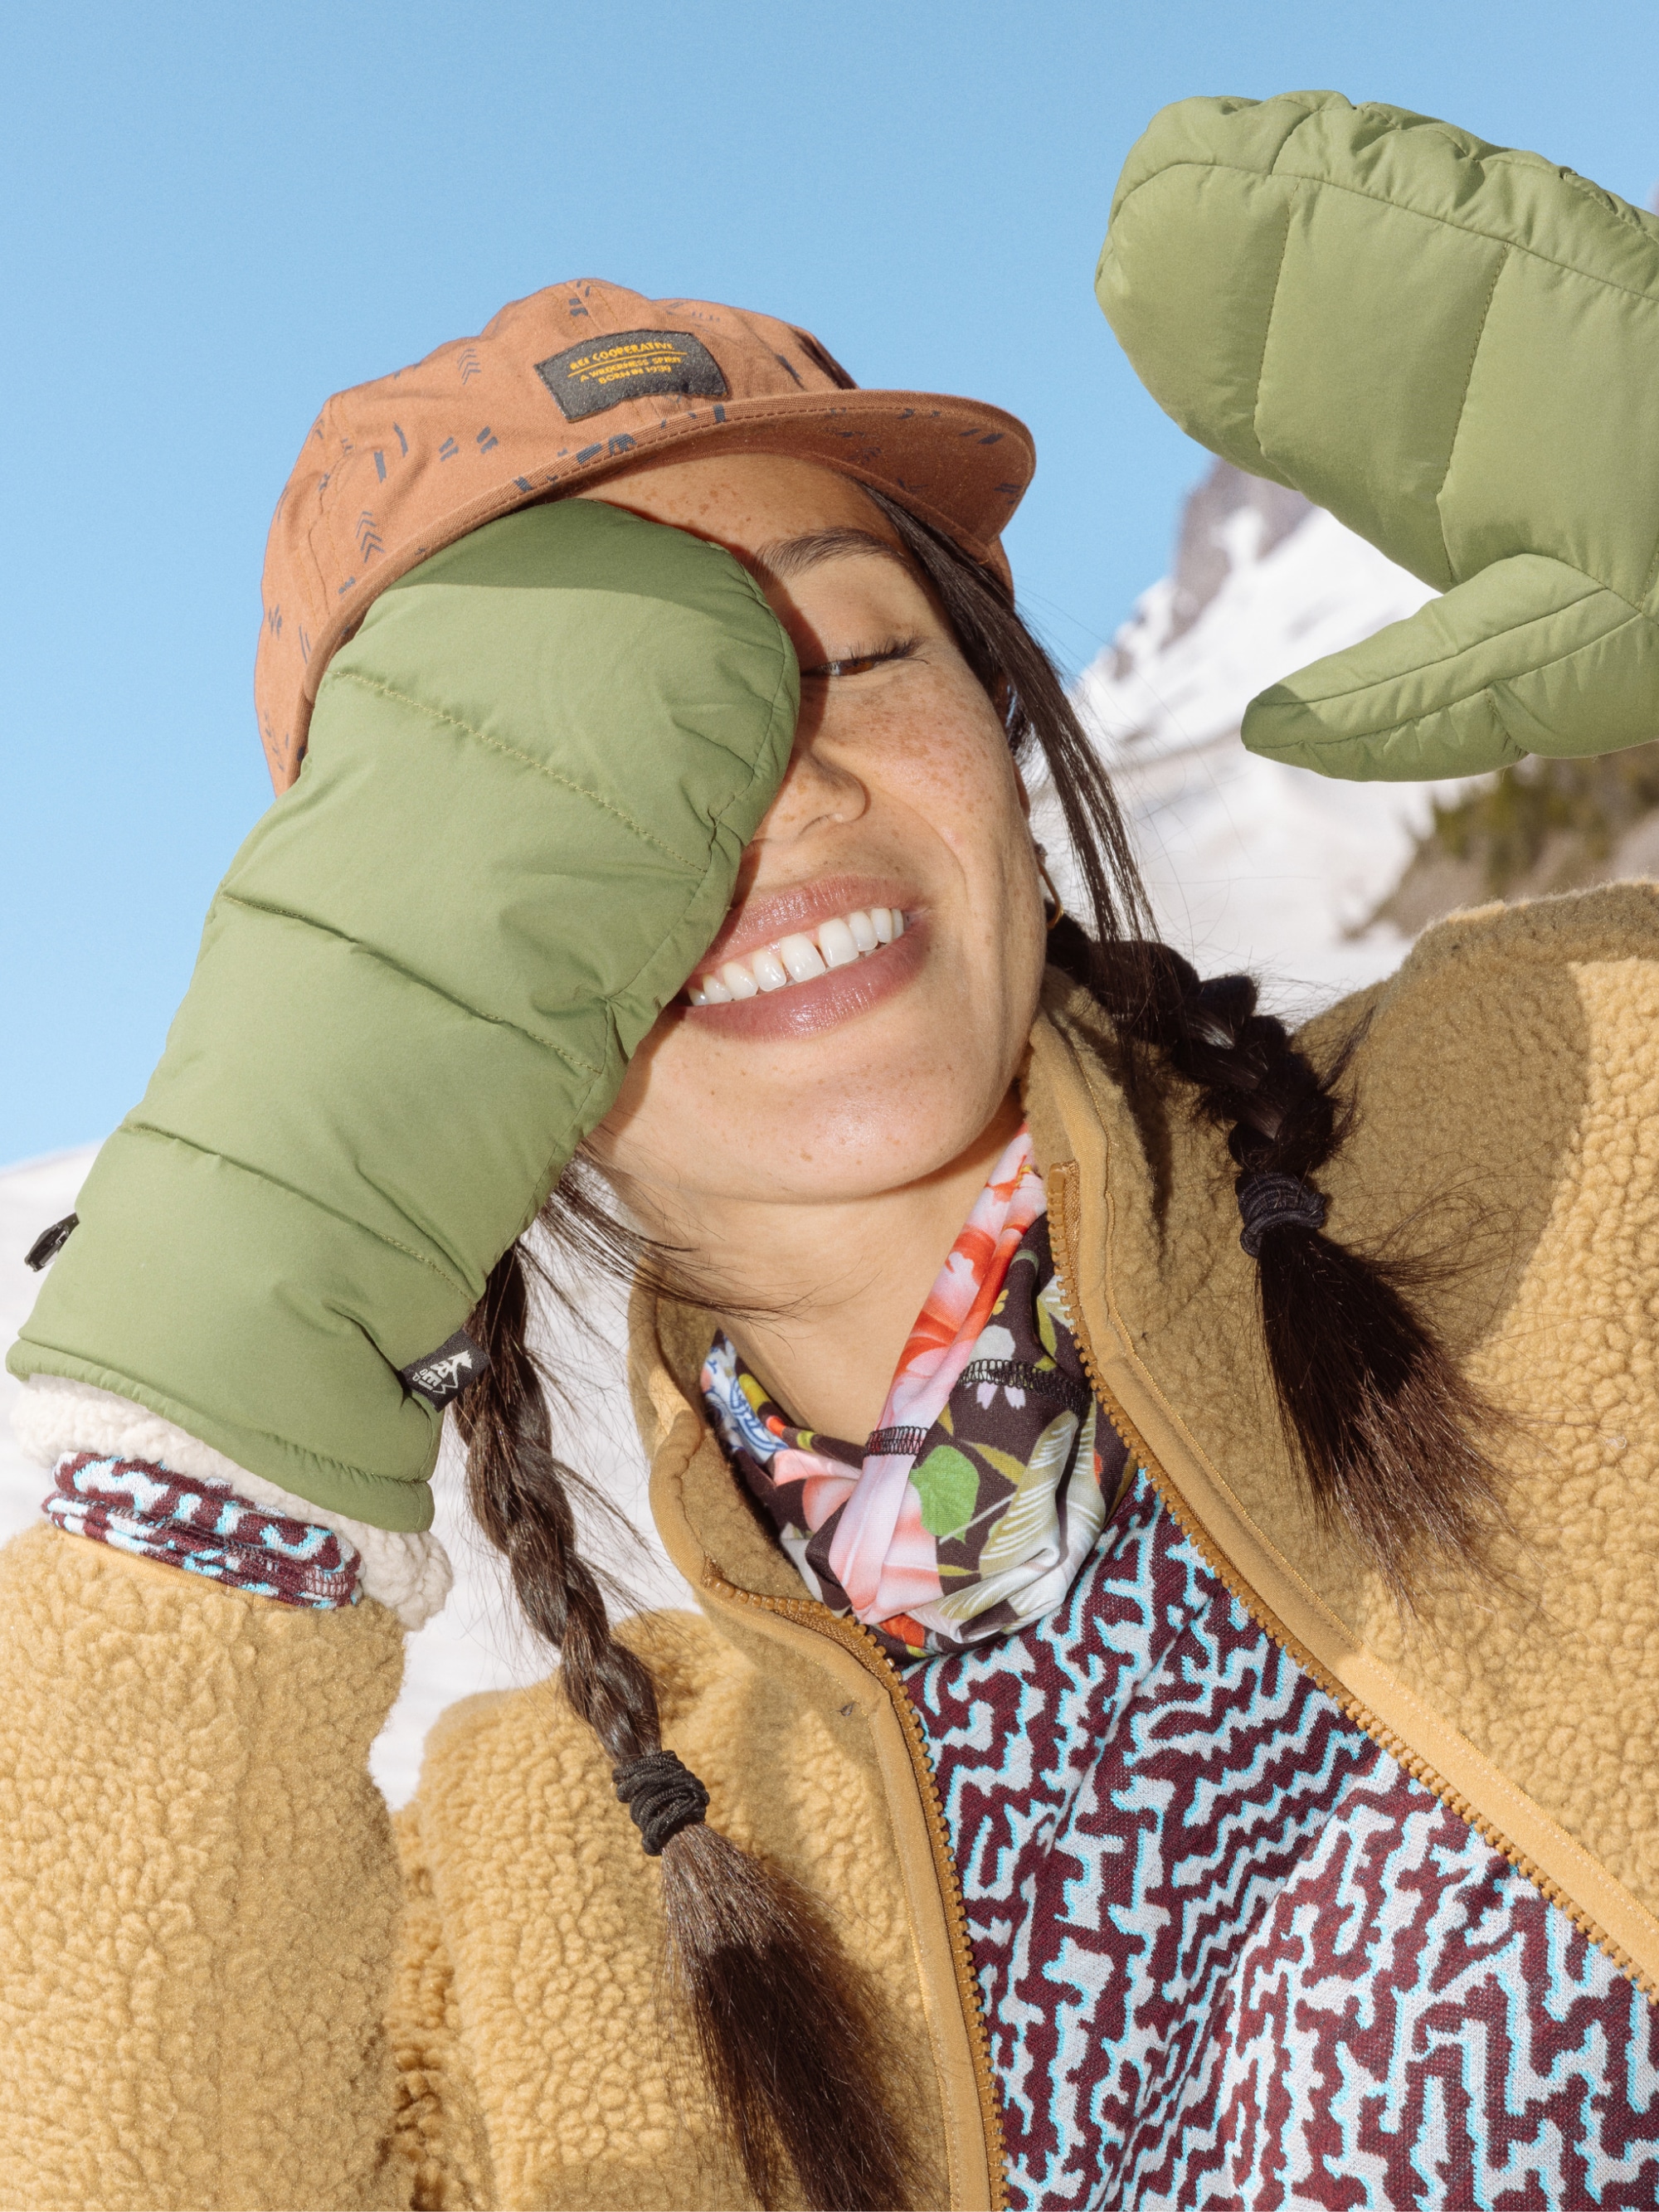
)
(934, 745)
(950, 770)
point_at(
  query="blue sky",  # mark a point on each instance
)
(217, 216)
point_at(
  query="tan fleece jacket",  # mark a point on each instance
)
(218, 1986)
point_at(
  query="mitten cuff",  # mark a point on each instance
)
(409, 1574)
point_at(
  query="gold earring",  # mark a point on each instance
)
(1059, 913)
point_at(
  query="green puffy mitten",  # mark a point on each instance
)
(531, 778)
(1453, 347)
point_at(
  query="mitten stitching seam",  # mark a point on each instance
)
(1267, 326)
(1421, 214)
(572, 1061)
(1462, 409)
(778, 689)
(1652, 570)
(134, 1127)
(1492, 685)
(527, 760)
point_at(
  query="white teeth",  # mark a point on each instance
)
(837, 944)
(798, 958)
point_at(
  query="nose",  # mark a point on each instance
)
(818, 791)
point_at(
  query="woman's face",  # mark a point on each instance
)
(901, 796)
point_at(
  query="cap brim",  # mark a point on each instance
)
(962, 465)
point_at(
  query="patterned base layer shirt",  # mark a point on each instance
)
(1232, 1955)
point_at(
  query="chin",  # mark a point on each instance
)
(891, 1120)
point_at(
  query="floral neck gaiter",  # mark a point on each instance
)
(969, 1511)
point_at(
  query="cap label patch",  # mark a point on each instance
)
(444, 1373)
(601, 372)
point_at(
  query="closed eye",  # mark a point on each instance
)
(860, 664)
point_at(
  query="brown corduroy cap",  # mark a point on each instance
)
(559, 389)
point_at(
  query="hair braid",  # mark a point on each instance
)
(788, 2037)
(520, 1495)
(1385, 1426)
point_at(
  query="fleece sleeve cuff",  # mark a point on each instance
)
(410, 1574)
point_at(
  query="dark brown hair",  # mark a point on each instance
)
(1381, 1423)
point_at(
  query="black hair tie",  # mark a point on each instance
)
(663, 1796)
(1268, 1201)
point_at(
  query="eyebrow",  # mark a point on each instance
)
(788, 557)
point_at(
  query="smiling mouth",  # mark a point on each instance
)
(801, 958)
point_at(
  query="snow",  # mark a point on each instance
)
(1253, 863)
(31, 1197)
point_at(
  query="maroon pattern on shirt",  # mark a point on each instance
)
(1233, 1955)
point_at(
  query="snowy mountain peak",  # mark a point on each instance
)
(1229, 521)
(1252, 863)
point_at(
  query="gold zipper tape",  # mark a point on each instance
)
(852, 1636)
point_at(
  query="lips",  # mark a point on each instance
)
(799, 961)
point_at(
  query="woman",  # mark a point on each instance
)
(1169, 1728)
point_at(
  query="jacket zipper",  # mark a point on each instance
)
(1360, 1714)
(858, 1639)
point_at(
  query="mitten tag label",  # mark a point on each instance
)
(601, 373)
(444, 1373)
